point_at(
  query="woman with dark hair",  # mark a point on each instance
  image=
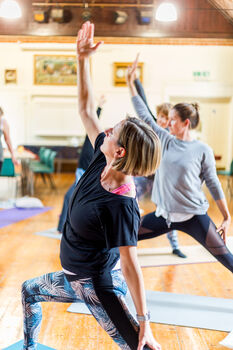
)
(101, 227)
(177, 191)
(162, 119)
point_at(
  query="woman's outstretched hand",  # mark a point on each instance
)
(146, 338)
(85, 45)
(131, 71)
(223, 228)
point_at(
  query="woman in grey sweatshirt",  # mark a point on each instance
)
(177, 191)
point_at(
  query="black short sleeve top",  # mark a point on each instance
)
(98, 222)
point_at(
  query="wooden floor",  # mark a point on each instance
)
(24, 255)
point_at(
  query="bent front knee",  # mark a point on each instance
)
(25, 289)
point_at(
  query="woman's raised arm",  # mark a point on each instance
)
(85, 48)
(141, 108)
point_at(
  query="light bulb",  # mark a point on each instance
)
(10, 9)
(166, 12)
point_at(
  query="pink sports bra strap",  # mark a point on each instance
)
(123, 188)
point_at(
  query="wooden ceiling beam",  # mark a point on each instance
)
(119, 40)
(196, 19)
(225, 7)
(93, 4)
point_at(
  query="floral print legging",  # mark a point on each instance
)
(104, 297)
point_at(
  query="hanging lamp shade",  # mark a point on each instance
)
(10, 9)
(166, 12)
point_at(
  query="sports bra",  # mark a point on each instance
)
(123, 188)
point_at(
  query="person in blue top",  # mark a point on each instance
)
(177, 191)
(101, 226)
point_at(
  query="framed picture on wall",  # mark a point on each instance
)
(10, 76)
(55, 70)
(120, 70)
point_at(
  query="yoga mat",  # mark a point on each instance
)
(51, 233)
(228, 341)
(182, 310)
(11, 216)
(149, 257)
(19, 346)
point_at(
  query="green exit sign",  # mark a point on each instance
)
(201, 75)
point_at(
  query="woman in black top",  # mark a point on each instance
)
(101, 226)
(85, 158)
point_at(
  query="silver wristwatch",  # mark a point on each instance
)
(143, 318)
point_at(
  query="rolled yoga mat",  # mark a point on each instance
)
(181, 310)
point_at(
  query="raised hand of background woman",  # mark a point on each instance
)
(131, 71)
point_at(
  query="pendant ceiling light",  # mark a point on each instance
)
(166, 12)
(10, 9)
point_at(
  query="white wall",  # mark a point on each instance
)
(166, 68)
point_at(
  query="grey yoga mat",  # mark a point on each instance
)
(51, 233)
(182, 310)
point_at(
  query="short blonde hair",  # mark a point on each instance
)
(142, 146)
(164, 108)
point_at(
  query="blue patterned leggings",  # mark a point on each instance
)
(104, 296)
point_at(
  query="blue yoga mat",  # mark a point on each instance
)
(19, 346)
(11, 216)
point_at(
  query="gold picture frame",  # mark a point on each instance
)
(10, 76)
(55, 70)
(120, 69)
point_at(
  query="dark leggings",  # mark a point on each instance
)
(1, 166)
(116, 310)
(200, 227)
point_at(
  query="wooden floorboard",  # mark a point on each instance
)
(24, 255)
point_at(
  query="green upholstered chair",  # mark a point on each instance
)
(44, 168)
(40, 160)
